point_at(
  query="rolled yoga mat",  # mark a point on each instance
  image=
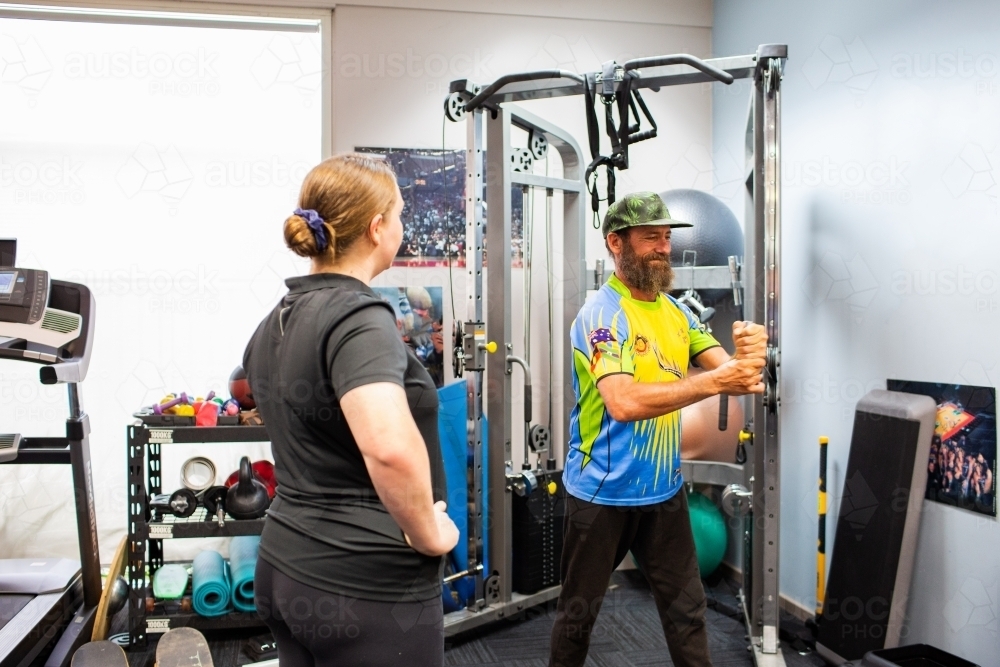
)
(210, 584)
(242, 563)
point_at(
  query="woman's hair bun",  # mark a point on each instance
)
(299, 238)
(345, 192)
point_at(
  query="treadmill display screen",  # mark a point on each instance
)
(7, 281)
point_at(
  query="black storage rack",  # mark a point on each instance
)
(145, 537)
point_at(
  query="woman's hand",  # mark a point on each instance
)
(447, 533)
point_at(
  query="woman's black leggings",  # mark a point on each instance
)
(314, 628)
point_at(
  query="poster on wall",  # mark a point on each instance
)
(433, 186)
(419, 319)
(962, 466)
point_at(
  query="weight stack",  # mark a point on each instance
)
(537, 527)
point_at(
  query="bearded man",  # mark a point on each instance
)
(632, 345)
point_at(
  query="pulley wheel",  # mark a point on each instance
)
(491, 589)
(539, 438)
(538, 144)
(454, 107)
(520, 159)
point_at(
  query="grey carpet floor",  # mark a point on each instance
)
(627, 634)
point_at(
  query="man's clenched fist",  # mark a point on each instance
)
(750, 340)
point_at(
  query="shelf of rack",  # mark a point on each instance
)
(146, 536)
(201, 524)
(235, 619)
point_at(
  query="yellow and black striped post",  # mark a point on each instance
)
(821, 543)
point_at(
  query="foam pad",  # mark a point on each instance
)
(210, 589)
(170, 582)
(242, 563)
(452, 424)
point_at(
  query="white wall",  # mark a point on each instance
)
(400, 103)
(889, 140)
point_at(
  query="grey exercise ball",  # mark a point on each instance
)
(716, 233)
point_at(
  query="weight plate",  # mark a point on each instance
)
(183, 503)
(212, 499)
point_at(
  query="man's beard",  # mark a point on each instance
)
(645, 273)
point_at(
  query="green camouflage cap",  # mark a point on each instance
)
(638, 209)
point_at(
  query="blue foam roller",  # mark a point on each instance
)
(210, 584)
(242, 563)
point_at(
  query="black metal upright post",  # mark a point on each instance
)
(138, 532)
(77, 432)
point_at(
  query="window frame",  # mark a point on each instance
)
(196, 14)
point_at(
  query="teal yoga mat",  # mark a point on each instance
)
(242, 563)
(210, 584)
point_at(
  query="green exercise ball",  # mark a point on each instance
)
(709, 529)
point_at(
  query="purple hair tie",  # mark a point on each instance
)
(315, 222)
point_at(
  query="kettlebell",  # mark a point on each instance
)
(247, 499)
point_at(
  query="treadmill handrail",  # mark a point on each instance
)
(11, 351)
(74, 368)
(42, 451)
(68, 364)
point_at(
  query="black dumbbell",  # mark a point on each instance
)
(214, 501)
(181, 503)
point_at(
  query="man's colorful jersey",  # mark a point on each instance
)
(628, 463)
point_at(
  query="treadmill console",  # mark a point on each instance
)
(24, 294)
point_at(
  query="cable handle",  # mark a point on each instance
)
(512, 359)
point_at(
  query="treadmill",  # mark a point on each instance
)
(46, 601)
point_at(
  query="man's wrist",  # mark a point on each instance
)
(712, 384)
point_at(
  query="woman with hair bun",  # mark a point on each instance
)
(349, 570)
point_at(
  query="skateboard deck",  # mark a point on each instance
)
(101, 621)
(183, 647)
(99, 654)
(170, 582)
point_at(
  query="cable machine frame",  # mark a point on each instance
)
(489, 114)
(490, 245)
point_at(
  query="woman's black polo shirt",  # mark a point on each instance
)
(326, 527)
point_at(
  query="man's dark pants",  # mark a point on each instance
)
(597, 538)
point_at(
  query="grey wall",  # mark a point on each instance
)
(890, 267)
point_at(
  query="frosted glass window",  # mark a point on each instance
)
(156, 164)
